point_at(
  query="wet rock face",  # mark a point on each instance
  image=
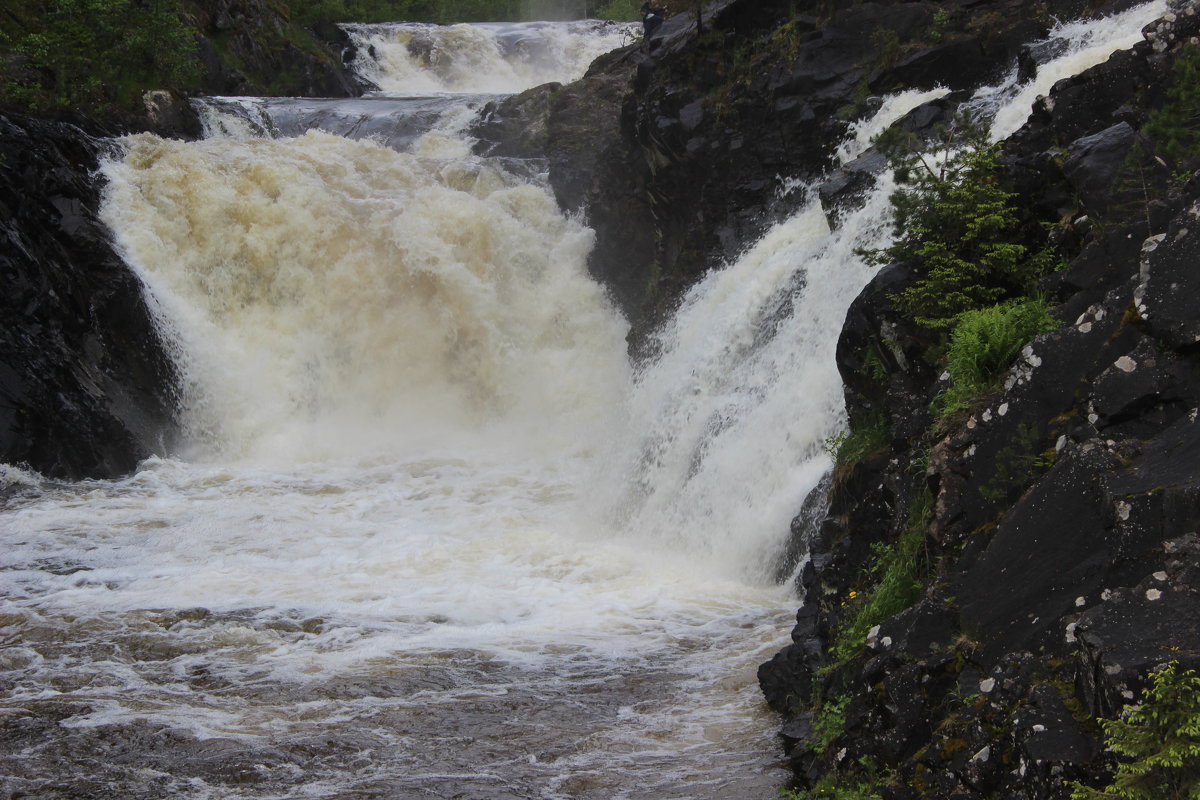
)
(84, 380)
(1061, 559)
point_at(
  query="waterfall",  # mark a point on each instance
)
(433, 534)
(413, 58)
(328, 294)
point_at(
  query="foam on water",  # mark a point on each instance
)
(1084, 44)
(432, 531)
(411, 58)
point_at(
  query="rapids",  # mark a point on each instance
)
(431, 534)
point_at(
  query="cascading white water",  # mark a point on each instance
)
(1084, 44)
(411, 58)
(329, 294)
(433, 535)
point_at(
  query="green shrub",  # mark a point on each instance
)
(851, 446)
(952, 218)
(1175, 125)
(94, 53)
(831, 789)
(829, 722)
(1159, 741)
(619, 10)
(983, 345)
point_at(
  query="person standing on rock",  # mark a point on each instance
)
(652, 17)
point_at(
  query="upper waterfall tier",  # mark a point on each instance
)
(407, 58)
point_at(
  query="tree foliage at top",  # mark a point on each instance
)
(93, 53)
(957, 224)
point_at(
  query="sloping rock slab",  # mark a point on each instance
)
(84, 380)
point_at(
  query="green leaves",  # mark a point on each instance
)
(952, 218)
(1159, 740)
(985, 342)
(99, 53)
(1175, 125)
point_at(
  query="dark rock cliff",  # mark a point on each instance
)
(682, 151)
(85, 385)
(1060, 552)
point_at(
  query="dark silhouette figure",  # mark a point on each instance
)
(652, 18)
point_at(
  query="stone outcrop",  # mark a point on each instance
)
(251, 47)
(1060, 554)
(85, 385)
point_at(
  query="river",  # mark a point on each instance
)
(428, 532)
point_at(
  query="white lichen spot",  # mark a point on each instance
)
(1070, 637)
(1123, 510)
(983, 755)
(1080, 602)
(886, 641)
(1003, 409)
(986, 416)
(1093, 418)
(987, 684)
(1085, 327)
(970, 451)
(1153, 594)
(1127, 694)
(1160, 576)
(1112, 669)
(1039, 728)
(1060, 444)
(1125, 364)
(971, 424)
(1107, 593)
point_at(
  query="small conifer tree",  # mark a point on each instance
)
(1159, 742)
(953, 218)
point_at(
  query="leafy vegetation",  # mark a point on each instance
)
(445, 11)
(1159, 741)
(900, 568)
(93, 53)
(984, 342)
(831, 789)
(829, 722)
(1175, 125)
(953, 219)
(851, 446)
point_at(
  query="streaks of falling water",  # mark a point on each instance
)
(381, 572)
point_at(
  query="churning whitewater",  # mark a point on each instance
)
(429, 533)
